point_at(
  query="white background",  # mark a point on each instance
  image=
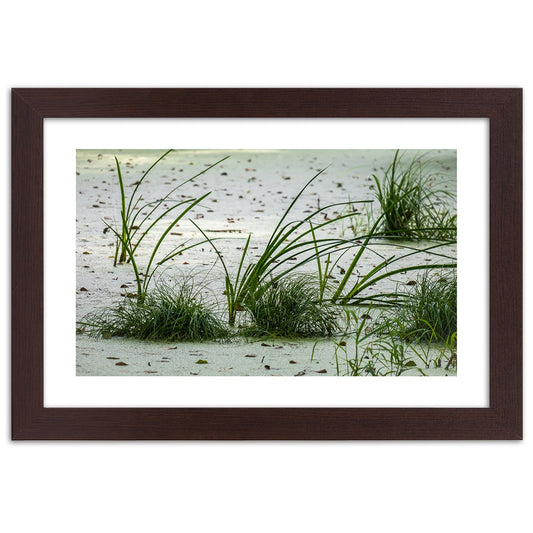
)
(386, 486)
(62, 388)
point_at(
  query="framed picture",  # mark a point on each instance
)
(291, 264)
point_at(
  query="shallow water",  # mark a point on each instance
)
(250, 191)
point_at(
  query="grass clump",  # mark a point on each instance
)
(412, 207)
(285, 251)
(167, 313)
(429, 310)
(291, 307)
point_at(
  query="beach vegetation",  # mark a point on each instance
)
(275, 296)
(136, 224)
(429, 309)
(291, 307)
(291, 245)
(412, 206)
(169, 312)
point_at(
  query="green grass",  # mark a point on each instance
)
(358, 364)
(138, 220)
(291, 307)
(429, 309)
(285, 251)
(350, 291)
(417, 333)
(412, 206)
(388, 357)
(393, 344)
(169, 313)
(128, 219)
(276, 298)
(384, 357)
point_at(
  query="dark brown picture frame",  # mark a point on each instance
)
(501, 420)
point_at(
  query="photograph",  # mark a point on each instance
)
(266, 267)
(266, 262)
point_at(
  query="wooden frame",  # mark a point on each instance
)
(502, 420)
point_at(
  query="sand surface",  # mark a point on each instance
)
(249, 193)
